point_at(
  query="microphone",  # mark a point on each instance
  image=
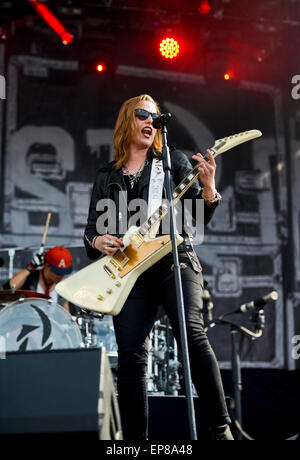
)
(258, 303)
(161, 120)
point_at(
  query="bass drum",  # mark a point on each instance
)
(38, 324)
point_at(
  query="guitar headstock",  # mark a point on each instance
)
(221, 145)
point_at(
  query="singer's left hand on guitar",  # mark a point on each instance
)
(37, 263)
(108, 244)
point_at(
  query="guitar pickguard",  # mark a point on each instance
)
(136, 256)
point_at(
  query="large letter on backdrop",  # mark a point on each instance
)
(36, 155)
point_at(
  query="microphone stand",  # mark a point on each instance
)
(258, 321)
(178, 284)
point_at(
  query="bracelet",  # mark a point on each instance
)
(94, 241)
(217, 197)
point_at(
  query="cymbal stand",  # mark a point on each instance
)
(88, 322)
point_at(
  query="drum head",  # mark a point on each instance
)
(38, 324)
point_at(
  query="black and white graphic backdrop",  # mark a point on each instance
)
(58, 131)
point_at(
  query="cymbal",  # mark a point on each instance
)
(8, 296)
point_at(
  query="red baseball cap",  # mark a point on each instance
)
(60, 260)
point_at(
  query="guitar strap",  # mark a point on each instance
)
(155, 191)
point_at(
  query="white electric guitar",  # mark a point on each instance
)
(104, 285)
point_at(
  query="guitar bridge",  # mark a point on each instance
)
(115, 264)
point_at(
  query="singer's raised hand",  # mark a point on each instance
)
(207, 171)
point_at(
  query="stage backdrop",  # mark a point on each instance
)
(58, 131)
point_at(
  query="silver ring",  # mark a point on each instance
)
(109, 243)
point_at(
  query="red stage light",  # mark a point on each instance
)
(205, 7)
(52, 21)
(169, 48)
(100, 67)
(66, 38)
(227, 76)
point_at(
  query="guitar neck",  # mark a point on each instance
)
(162, 211)
(220, 146)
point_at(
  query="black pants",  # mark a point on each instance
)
(133, 326)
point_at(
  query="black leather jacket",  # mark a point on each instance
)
(110, 182)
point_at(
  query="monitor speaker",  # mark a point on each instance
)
(59, 392)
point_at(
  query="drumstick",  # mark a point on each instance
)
(45, 233)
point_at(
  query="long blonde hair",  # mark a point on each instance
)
(123, 129)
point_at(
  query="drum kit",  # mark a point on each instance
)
(32, 321)
(36, 323)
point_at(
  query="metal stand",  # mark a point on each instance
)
(86, 321)
(258, 322)
(11, 254)
(236, 378)
(179, 293)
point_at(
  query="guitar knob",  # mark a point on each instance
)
(109, 291)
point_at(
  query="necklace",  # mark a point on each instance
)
(134, 176)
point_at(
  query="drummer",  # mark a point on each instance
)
(43, 273)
